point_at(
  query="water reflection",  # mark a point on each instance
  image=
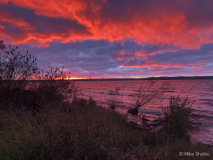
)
(200, 91)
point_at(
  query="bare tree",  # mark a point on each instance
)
(147, 92)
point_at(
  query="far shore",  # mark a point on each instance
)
(147, 78)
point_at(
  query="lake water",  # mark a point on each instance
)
(198, 91)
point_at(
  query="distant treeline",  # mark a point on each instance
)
(152, 78)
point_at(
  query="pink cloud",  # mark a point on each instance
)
(122, 53)
(120, 58)
(164, 25)
(5, 17)
(2, 27)
(4, 1)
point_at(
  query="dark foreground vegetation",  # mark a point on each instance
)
(83, 130)
(36, 122)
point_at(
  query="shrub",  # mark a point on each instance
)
(15, 69)
(177, 116)
(53, 86)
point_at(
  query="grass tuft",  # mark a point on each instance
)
(177, 116)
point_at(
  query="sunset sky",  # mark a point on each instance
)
(119, 38)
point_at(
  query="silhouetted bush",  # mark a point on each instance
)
(53, 86)
(177, 116)
(15, 71)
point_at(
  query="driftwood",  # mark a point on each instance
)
(137, 126)
(147, 126)
(144, 119)
(133, 111)
(154, 123)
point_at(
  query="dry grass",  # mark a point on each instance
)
(82, 130)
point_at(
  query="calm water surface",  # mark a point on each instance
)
(198, 91)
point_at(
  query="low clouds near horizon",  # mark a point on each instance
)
(120, 39)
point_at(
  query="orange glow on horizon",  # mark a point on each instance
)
(72, 78)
